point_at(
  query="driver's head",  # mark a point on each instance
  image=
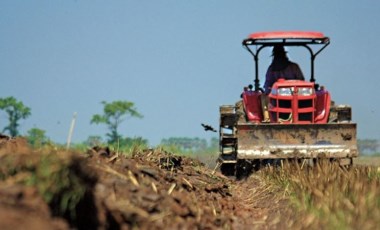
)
(278, 50)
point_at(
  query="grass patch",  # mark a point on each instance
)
(330, 197)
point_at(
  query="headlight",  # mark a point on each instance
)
(305, 91)
(285, 91)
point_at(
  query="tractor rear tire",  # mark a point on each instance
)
(243, 169)
(227, 169)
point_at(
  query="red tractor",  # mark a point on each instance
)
(304, 124)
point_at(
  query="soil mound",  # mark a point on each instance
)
(100, 189)
(13, 145)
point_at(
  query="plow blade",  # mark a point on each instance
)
(278, 141)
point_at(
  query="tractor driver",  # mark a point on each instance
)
(281, 67)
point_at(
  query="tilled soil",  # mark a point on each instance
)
(151, 189)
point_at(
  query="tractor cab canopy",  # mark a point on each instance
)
(285, 38)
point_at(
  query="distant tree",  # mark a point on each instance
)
(368, 145)
(115, 113)
(94, 141)
(16, 111)
(199, 144)
(214, 143)
(36, 137)
(186, 143)
(130, 142)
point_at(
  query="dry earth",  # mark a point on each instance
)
(151, 189)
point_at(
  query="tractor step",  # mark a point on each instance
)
(227, 159)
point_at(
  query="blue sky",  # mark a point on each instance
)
(178, 61)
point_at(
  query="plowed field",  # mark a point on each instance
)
(153, 189)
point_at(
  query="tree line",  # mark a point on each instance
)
(113, 114)
(368, 146)
(188, 144)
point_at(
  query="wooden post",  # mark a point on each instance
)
(71, 130)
